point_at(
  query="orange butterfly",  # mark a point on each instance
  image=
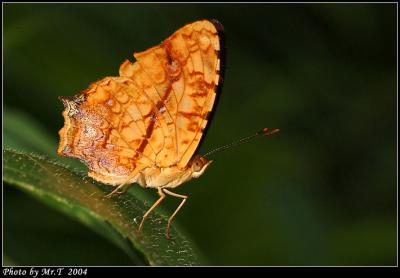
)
(145, 125)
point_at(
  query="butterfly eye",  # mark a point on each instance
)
(197, 166)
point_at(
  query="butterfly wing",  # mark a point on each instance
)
(180, 77)
(153, 114)
(104, 129)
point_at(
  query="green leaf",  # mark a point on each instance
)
(22, 132)
(117, 218)
(7, 261)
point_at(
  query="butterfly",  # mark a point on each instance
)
(145, 125)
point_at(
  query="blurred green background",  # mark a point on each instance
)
(321, 192)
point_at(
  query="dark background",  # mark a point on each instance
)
(321, 192)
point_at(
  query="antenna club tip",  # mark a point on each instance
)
(269, 131)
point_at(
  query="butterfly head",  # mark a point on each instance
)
(198, 165)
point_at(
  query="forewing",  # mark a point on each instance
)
(180, 77)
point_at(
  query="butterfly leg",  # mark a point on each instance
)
(162, 196)
(131, 179)
(184, 198)
(116, 191)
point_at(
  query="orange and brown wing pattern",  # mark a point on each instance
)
(153, 114)
(104, 129)
(180, 77)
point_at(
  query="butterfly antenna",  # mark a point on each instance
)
(265, 131)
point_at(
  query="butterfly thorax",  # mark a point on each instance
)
(171, 177)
